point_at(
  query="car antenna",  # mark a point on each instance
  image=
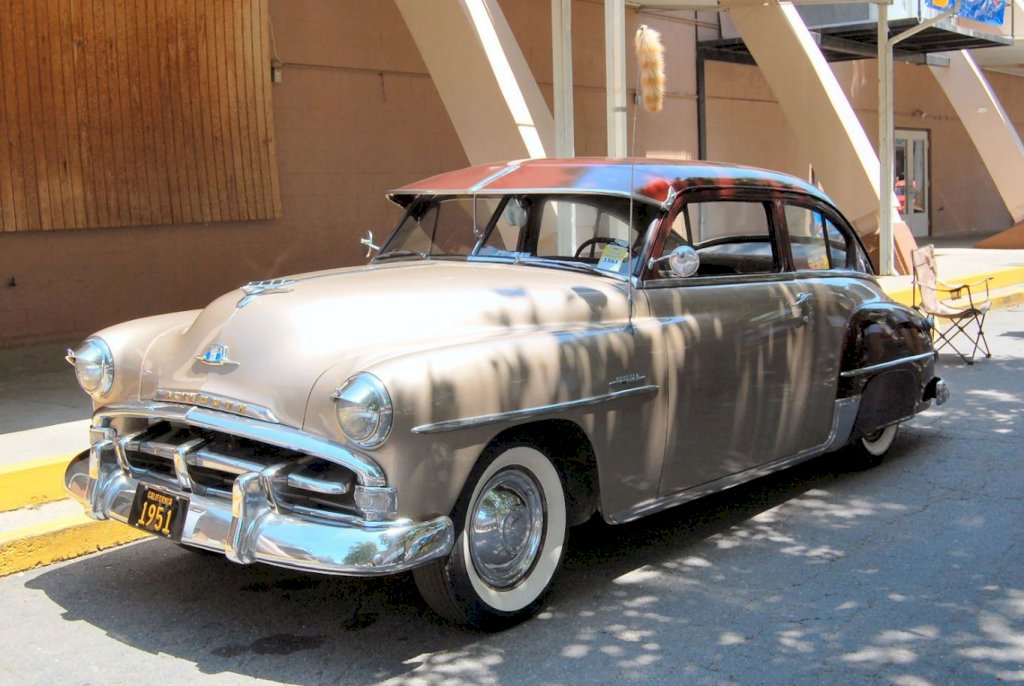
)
(650, 62)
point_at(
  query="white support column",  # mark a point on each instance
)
(482, 77)
(885, 140)
(561, 66)
(615, 76)
(988, 125)
(886, 234)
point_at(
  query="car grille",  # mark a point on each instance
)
(207, 462)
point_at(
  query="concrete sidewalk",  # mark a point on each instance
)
(959, 264)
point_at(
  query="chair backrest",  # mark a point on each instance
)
(926, 276)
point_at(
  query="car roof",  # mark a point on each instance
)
(648, 178)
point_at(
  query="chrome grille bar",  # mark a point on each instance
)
(206, 453)
(317, 485)
(222, 463)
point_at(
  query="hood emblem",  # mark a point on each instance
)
(216, 356)
(254, 289)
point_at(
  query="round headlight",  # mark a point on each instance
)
(94, 366)
(363, 408)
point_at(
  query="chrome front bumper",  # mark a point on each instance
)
(248, 529)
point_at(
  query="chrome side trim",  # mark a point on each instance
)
(529, 412)
(842, 422)
(886, 365)
(367, 471)
(843, 417)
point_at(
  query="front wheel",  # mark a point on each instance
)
(512, 531)
(869, 450)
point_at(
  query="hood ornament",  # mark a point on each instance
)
(254, 289)
(216, 356)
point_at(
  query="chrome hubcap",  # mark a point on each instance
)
(506, 528)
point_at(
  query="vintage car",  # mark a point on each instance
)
(536, 342)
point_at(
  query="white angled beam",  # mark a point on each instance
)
(816, 108)
(988, 125)
(482, 77)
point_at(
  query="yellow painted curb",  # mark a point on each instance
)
(1001, 278)
(33, 482)
(61, 539)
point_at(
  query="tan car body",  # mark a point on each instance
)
(677, 387)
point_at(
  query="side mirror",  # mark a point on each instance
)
(371, 247)
(683, 261)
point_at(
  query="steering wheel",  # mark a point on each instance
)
(591, 242)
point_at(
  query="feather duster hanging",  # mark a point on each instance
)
(650, 56)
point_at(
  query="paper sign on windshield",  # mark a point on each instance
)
(612, 257)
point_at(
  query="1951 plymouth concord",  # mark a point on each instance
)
(536, 342)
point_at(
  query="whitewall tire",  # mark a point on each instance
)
(511, 534)
(868, 451)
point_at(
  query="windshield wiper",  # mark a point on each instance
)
(402, 253)
(559, 264)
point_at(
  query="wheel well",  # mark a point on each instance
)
(570, 451)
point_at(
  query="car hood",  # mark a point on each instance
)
(276, 345)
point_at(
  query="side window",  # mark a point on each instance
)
(731, 238)
(818, 243)
(807, 239)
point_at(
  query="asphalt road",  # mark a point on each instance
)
(908, 574)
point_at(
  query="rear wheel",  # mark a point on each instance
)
(512, 531)
(869, 450)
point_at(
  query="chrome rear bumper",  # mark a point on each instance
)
(248, 529)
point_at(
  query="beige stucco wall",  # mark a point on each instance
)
(356, 115)
(1010, 90)
(745, 124)
(669, 133)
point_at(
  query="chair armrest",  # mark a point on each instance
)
(956, 290)
(967, 285)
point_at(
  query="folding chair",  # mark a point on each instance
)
(963, 320)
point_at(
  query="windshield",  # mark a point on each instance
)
(568, 231)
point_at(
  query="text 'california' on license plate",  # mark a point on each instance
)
(158, 512)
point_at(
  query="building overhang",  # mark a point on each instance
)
(849, 31)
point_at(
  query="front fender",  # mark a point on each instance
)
(129, 342)
(450, 402)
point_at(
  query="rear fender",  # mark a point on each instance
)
(887, 361)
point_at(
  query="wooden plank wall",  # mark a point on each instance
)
(135, 112)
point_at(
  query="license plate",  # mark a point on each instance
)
(158, 512)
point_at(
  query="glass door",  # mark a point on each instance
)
(911, 173)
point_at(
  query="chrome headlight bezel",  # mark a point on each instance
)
(363, 409)
(94, 366)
